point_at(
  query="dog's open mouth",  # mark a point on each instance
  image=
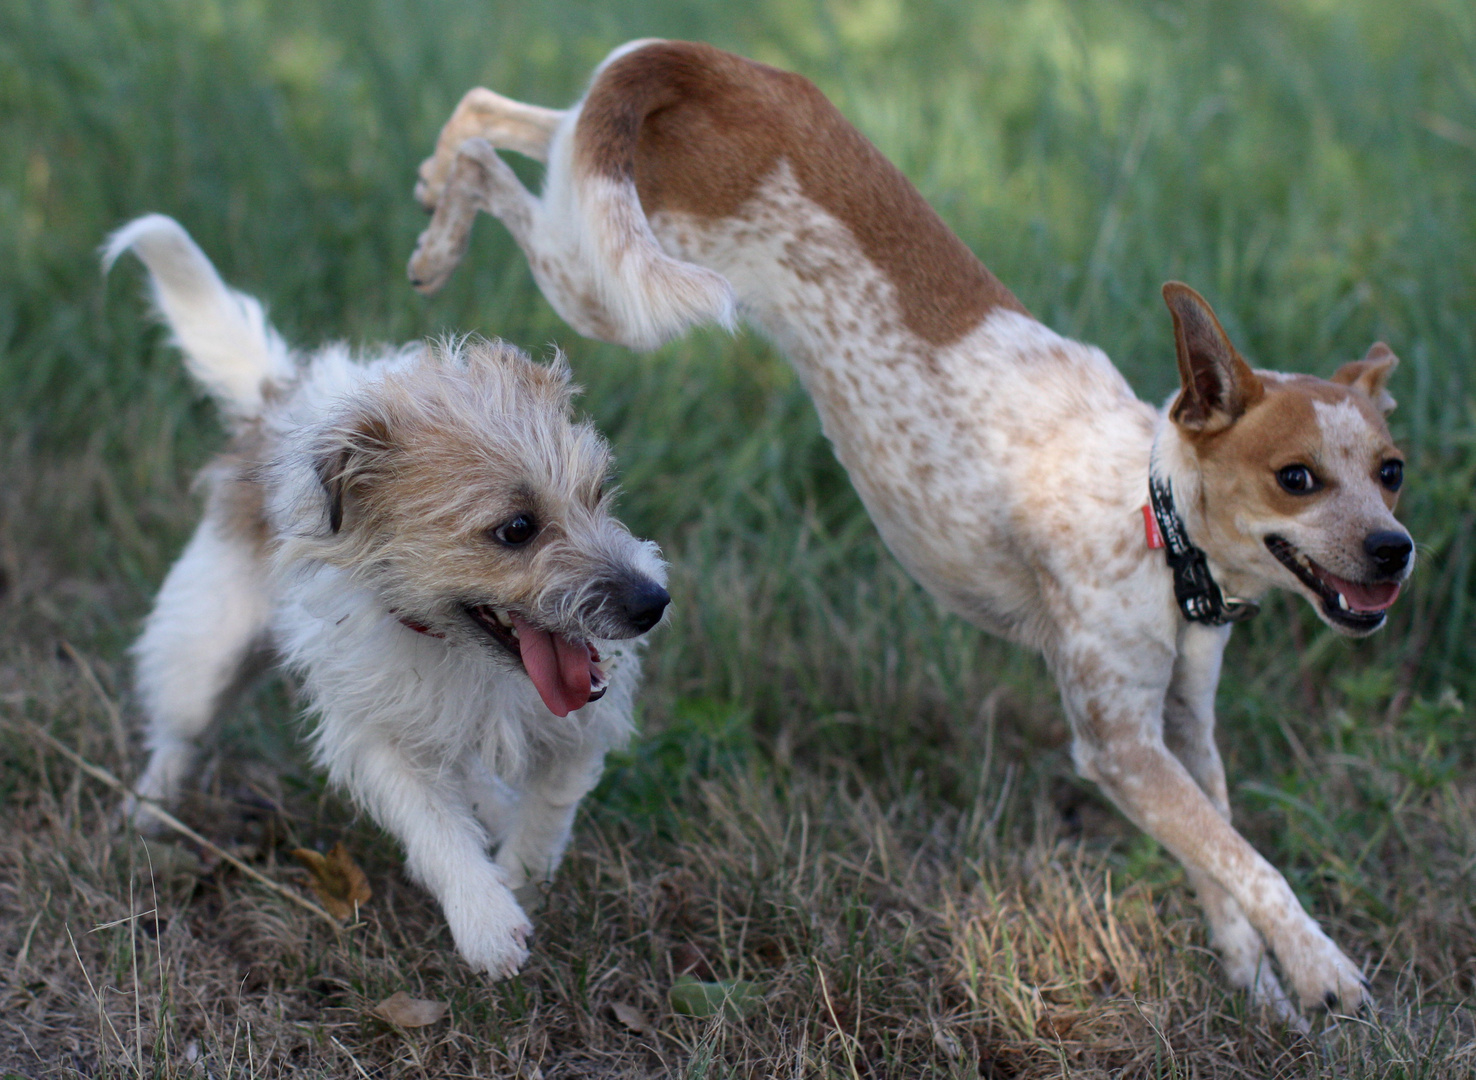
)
(567, 673)
(1356, 605)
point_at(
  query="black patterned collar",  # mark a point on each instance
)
(1199, 597)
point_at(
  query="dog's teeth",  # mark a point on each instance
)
(1343, 602)
(502, 617)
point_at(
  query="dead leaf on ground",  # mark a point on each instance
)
(338, 881)
(631, 1018)
(944, 1041)
(408, 1012)
(687, 959)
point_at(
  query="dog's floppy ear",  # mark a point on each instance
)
(349, 457)
(1371, 375)
(1217, 384)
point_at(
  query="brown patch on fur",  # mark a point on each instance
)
(699, 129)
(237, 500)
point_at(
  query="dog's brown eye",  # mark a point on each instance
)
(1391, 474)
(1297, 479)
(515, 533)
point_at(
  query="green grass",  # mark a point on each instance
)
(834, 780)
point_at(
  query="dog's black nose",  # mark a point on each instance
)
(641, 602)
(1389, 551)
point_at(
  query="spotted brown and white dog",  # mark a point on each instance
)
(1008, 468)
(426, 536)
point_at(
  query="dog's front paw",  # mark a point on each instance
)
(135, 816)
(1322, 977)
(491, 932)
(501, 955)
(159, 785)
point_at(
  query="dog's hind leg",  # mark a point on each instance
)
(481, 114)
(1189, 732)
(587, 240)
(211, 611)
(476, 179)
(465, 175)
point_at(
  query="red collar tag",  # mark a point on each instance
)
(1150, 528)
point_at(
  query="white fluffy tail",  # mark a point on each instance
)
(227, 342)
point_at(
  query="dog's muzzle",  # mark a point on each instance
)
(1358, 607)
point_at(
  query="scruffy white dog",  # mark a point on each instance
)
(426, 537)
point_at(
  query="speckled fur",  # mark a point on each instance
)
(1004, 465)
(350, 527)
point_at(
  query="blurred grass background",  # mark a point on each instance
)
(1309, 165)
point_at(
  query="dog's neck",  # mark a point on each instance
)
(1174, 463)
(1199, 595)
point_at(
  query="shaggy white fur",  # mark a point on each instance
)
(424, 536)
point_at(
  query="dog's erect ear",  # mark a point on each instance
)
(349, 458)
(1371, 375)
(1217, 384)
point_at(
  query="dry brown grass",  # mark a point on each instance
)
(893, 933)
(883, 946)
(939, 899)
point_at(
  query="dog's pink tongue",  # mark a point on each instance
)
(558, 667)
(1370, 598)
(1365, 599)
